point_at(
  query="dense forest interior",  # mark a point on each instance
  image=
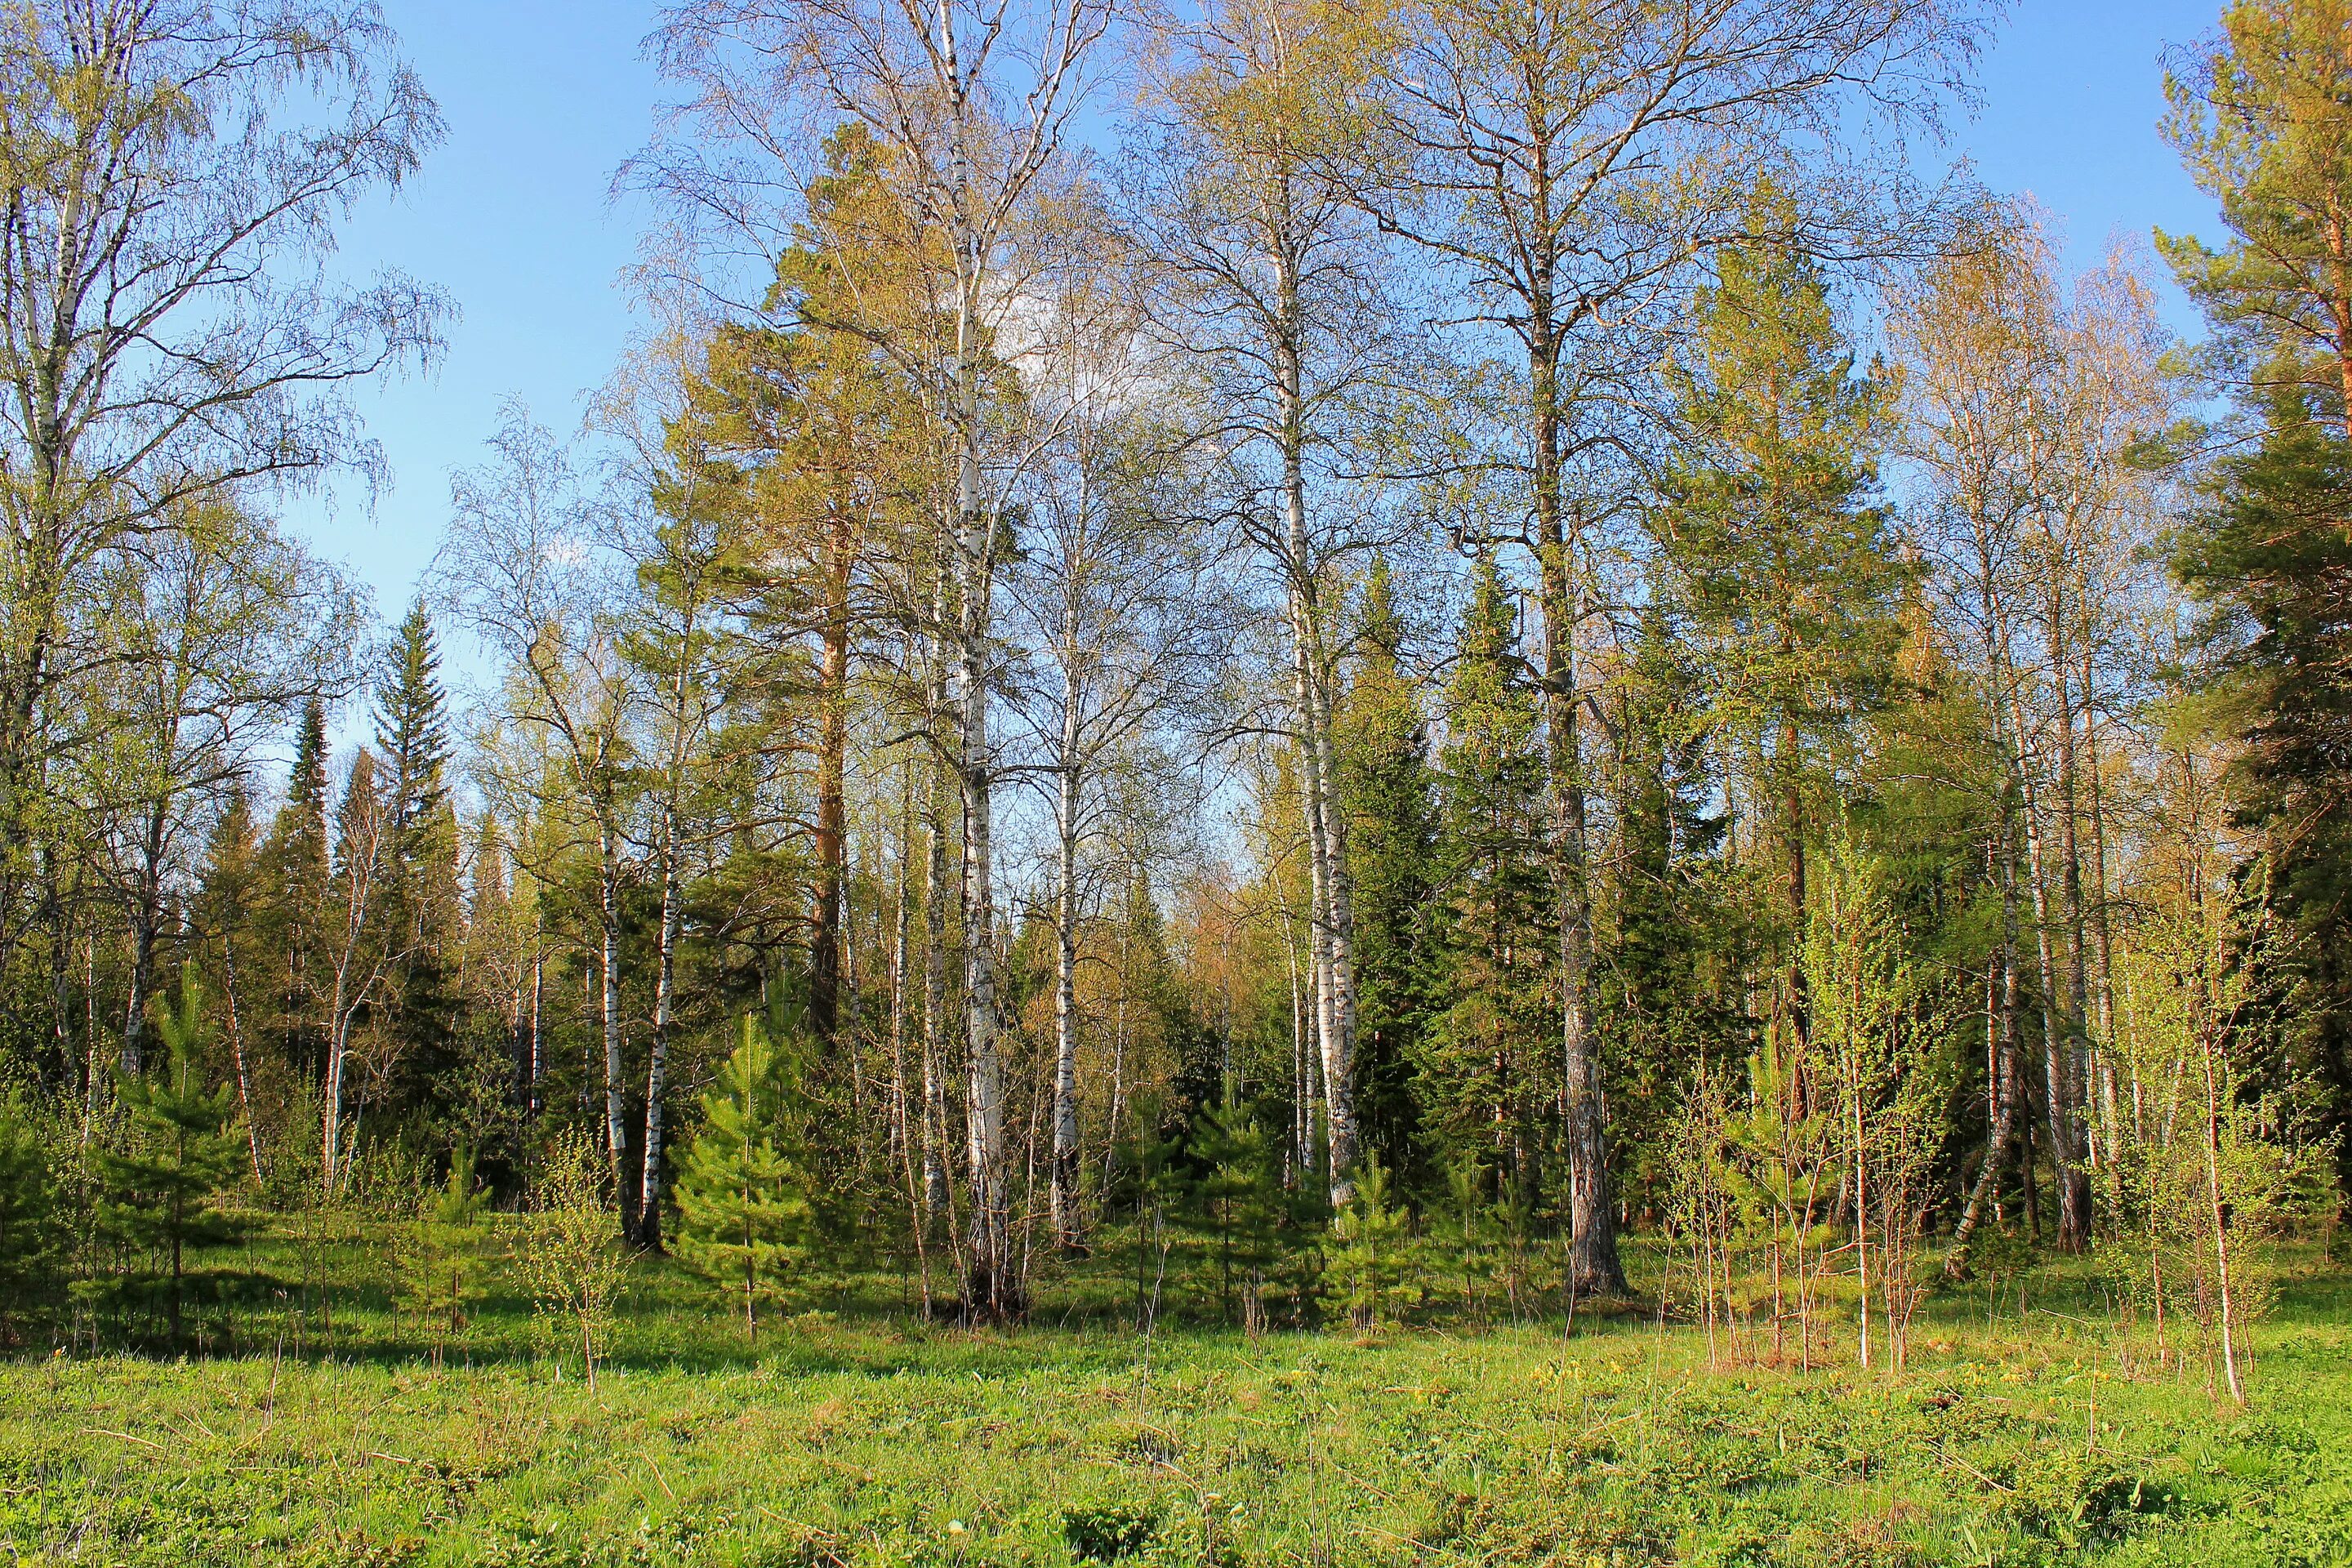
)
(1279, 663)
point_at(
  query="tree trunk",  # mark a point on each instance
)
(1068, 1228)
(831, 837)
(1594, 1265)
(608, 929)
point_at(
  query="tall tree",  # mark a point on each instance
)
(973, 100)
(168, 327)
(1272, 294)
(1568, 161)
(2256, 115)
(1784, 563)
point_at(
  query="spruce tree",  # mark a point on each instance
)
(1388, 789)
(223, 915)
(422, 916)
(741, 1211)
(160, 1190)
(1483, 1068)
(290, 897)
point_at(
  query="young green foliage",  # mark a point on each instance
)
(159, 1188)
(742, 1216)
(32, 1229)
(1369, 1272)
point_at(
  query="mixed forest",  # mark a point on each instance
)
(1270, 663)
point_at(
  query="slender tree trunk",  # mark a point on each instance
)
(1332, 915)
(650, 1222)
(830, 839)
(237, 1052)
(1068, 1228)
(2007, 1090)
(608, 932)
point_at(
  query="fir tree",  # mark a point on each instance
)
(289, 896)
(1388, 789)
(422, 912)
(1481, 1070)
(742, 1213)
(160, 1192)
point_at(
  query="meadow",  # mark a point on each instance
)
(2033, 1426)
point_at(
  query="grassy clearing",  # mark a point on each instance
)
(865, 1438)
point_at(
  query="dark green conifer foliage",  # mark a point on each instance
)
(290, 893)
(2272, 559)
(1387, 788)
(1241, 1199)
(1483, 1073)
(1785, 565)
(743, 1214)
(32, 1229)
(1368, 1264)
(421, 917)
(159, 1188)
(1673, 925)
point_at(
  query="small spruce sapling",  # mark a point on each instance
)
(444, 1262)
(743, 1214)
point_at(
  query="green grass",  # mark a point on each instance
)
(860, 1436)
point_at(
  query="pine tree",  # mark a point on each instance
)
(1368, 1263)
(160, 1190)
(443, 1267)
(1388, 789)
(1240, 1193)
(1783, 562)
(2257, 117)
(742, 1213)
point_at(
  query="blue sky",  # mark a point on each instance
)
(545, 98)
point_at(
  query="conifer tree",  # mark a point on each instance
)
(1482, 1076)
(1367, 1266)
(159, 1191)
(223, 917)
(290, 873)
(742, 1213)
(418, 878)
(1786, 565)
(1388, 789)
(32, 1237)
(2257, 117)
(1240, 1197)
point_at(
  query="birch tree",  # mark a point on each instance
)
(523, 568)
(168, 324)
(1566, 161)
(973, 100)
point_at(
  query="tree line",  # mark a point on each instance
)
(1443, 620)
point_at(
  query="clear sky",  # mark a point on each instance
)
(545, 98)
